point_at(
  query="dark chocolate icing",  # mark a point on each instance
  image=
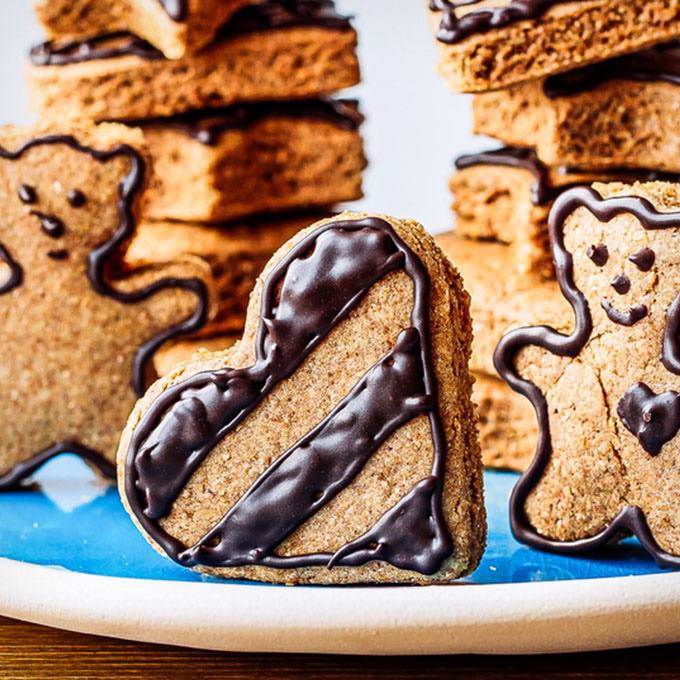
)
(631, 519)
(542, 191)
(177, 9)
(621, 284)
(317, 285)
(58, 255)
(99, 260)
(27, 194)
(50, 224)
(23, 471)
(16, 273)
(206, 125)
(644, 259)
(658, 63)
(76, 198)
(454, 29)
(266, 16)
(628, 318)
(653, 419)
(599, 254)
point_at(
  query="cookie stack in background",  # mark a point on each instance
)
(234, 98)
(579, 92)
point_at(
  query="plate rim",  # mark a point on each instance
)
(506, 618)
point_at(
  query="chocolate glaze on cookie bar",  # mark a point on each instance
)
(660, 63)
(176, 9)
(270, 15)
(301, 305)
(454, 28)
(207, 125)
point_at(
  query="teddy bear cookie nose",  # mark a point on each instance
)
(621, 284)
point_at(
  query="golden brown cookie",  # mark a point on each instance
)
(168, 357)
(505, 195)
(77, 336)
(507, 424)
(492, 44)
(622, 112)
(173, 26)
(272, 50)
(236, 253)
(500, 299)
(225, 164)
(336, 442)
(606, 394)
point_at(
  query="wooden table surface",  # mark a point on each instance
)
(29, 651)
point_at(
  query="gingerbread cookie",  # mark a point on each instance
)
(236, 253)
(505, 195)
(622, 112)
(76, 335)
(173, 26)
(168, 357)
(262, 157)
(492, 44)
(335, 443)
(276, 49)
(606, 395)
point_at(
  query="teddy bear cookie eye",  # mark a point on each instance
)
(599, 254)
(27, 194)
(644, 259)
(76, 198)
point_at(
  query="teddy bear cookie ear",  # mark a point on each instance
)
(77, 335)
(335, 442)
(607, 395)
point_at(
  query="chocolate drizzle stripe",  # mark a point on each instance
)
(206, 125)
(660, 63)
(269, 15)
(308, 293)
(454, 29)
(631, 518)
(177, 10)
(99, 258)
(542, 191)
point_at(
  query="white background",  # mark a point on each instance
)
(415, 125)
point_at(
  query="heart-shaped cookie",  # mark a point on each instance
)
(335, 443)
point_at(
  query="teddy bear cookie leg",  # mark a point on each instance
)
(335, 442)
(606, 395)
(77, 336)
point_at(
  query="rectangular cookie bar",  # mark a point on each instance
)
(500, 298)
(506, 195)
(507, 423)
(492, 44)
(276, 50)
(173, 26)
(223, 164)
(623, 112)
(236, 254)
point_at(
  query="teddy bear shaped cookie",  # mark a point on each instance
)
(607, 395)
(77, 337)
(335, 442)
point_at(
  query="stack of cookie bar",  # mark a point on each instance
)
(578, 92)
(234, 100)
